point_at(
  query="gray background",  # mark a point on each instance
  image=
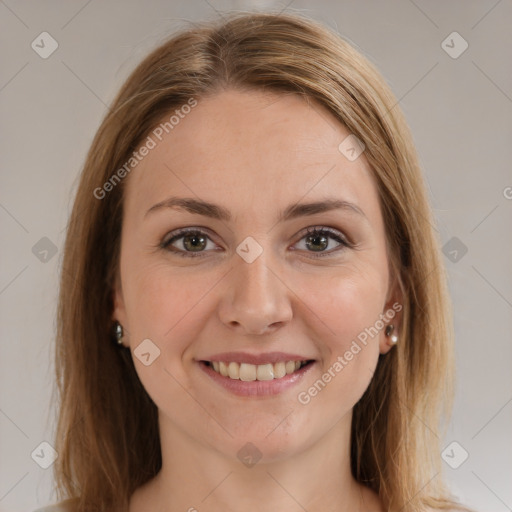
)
(459, 110)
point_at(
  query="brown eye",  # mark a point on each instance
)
(194, 242)
(313, 241)
(317, 240)
(191, 241)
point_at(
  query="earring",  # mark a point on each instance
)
(119, 333)
(394, 338)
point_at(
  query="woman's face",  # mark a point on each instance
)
(253, 286)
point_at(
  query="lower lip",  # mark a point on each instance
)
(257, 387)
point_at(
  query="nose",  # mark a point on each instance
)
(256, 299)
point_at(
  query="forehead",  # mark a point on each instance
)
(251, 150)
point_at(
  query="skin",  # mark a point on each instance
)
(253, 153)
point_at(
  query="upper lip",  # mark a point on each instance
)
(256, 359)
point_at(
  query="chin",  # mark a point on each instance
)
(265, 441)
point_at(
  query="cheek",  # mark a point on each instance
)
(351, 308)
(168, 305)
(349, 303)
(162, 298)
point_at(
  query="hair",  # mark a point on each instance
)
(107, 433)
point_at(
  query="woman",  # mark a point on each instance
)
(253, 312)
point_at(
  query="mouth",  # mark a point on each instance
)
(243, 378)
(261, 372)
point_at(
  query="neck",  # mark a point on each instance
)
(196, 476)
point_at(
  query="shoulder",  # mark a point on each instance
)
(63, 506)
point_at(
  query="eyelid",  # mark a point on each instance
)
(335, 233)
(332, 233)
(180, 233)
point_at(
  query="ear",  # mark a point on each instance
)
(392, 315)
(119, 312)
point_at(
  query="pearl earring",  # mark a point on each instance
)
(119, 333)
(394, 338)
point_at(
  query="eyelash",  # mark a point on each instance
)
(315, 231)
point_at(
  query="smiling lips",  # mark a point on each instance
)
(249, 372)
(256, 375)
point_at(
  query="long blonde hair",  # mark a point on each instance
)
(107, 434)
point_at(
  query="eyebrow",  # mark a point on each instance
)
(295, 210)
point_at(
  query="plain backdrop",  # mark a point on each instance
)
(459, 107)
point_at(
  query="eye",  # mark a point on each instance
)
(193, 242)
(317, 239)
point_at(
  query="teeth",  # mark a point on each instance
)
(223, 369)
(290, 367)
(234, 370)
(279, 370)
(265, 371)
(249, 372)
